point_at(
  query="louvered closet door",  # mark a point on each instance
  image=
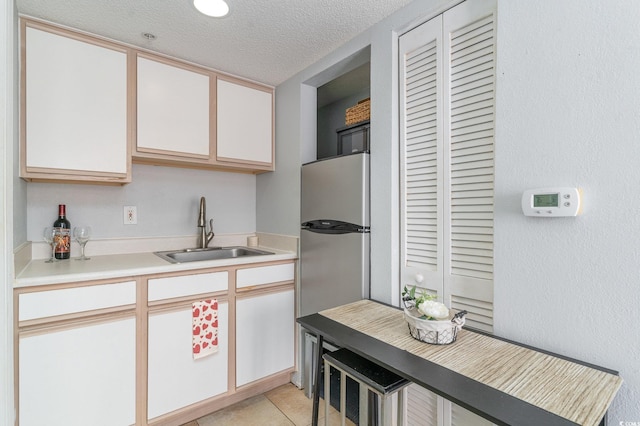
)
(422, 406)
(447, 87)
(469, 85)
(447, 121)
(421, 156)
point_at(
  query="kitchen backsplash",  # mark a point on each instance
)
(166, 198)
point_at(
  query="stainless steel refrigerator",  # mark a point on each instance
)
(334, 239)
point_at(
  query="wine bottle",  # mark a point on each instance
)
(63, 236)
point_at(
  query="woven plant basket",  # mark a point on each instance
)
(432, 331)
(359, 112)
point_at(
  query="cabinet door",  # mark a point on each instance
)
(172, 109)
(79, 376)
(264, 335)
(175, 378)
(244, 124)
(74, 107)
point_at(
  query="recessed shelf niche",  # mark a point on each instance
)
(333, 99)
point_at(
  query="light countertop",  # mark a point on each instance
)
(37, 272)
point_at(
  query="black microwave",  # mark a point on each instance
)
(354, 138)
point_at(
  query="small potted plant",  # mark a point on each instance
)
(430, 321)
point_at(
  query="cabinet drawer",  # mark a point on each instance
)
(50, 303)
(187, 285)
(265, 275)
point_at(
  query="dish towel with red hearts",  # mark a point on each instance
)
(205, 327)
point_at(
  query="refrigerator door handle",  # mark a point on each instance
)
(333, 227)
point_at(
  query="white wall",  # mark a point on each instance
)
(568, 113)
(278, 193)
(167, 201)
(568, 102)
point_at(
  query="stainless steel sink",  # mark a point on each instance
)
(211, 253)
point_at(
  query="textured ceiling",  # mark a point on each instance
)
(263, 40)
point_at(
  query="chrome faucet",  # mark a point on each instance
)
(205, 237)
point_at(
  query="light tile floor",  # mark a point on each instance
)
(284, 406)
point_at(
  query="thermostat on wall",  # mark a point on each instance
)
(551, 202)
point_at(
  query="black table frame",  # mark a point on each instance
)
(485, 401)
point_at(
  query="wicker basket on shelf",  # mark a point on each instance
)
(359, 112)
(431, 331)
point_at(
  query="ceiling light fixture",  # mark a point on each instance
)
(215, 8)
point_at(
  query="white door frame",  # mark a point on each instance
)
(7, 142)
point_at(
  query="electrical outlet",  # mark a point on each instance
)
(130, 215)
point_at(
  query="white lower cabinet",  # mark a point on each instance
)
(175, 379)
(264, 335)
(81, 375)
(82, 346)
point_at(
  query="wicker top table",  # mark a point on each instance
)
(505, 382)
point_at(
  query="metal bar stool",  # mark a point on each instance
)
(370, 377)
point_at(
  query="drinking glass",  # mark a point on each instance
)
(49, 236)
(82, 235)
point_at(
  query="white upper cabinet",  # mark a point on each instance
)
(173, 109)
(73, 107)
(189, 116)
(244, 124)
(89, 107)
